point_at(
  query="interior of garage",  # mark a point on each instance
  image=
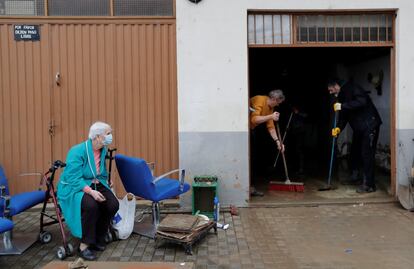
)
(302, 74)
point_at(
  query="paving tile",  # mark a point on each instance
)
(369, 236)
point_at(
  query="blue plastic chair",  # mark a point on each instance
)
(138, 179)
(5, 225)
(11, 205)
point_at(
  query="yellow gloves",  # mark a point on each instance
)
(337, 107)
(336, 131)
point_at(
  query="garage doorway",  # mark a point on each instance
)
(300, 66)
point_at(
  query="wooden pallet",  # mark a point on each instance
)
(187, 240)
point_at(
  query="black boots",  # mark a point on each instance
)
(97, 247)
(87, 254)
(366, 189)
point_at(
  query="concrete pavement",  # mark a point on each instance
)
(328, 236)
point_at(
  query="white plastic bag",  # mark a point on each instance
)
(123, 221)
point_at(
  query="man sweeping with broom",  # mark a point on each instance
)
(356, 108)
(261, 111)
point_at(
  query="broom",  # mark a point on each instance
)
(283, 138)
(286, 185)
(329, 186)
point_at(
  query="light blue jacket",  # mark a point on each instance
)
(76, 175)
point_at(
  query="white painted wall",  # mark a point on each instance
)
(212, 67)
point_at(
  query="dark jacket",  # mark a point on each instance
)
(357, 109)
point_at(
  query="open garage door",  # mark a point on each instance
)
(298, 53)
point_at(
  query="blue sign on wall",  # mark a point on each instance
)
(24, 32)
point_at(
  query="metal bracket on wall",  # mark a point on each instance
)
(57, 78)
(52, 128)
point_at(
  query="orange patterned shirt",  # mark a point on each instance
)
(259, 104)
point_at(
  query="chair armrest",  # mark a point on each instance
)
(30, 174)
(182, 176)
(152, 167)
(34, 174)
(2, 190)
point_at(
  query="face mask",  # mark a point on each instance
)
(107, 140)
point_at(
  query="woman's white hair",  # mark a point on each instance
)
(98, 128)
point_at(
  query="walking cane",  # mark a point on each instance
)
(110, 235)
(110, 157)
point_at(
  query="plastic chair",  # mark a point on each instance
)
(5, 225)
(11, 205)
(137, 178)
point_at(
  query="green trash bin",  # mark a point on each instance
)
(204, 190)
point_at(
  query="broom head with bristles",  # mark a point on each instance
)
(286, 186)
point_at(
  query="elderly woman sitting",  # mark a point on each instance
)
(83, 192)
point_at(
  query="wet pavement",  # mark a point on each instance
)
(311, 195)
(356, 235)
(339, 194)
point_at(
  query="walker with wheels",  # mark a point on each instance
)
(44, 236)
